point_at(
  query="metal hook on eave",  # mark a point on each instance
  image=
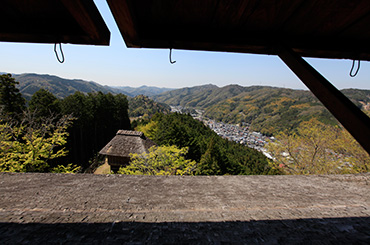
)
(61, 51)
(353, 66)
(172, 62)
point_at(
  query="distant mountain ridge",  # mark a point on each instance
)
(143, 90)
(266, 109)
(29, 83)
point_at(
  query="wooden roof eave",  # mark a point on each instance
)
(89, 19)
(147, 25)
(59, 21)
(362, 52)
(123, 17)
(321, 29)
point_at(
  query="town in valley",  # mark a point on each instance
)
(239, 133)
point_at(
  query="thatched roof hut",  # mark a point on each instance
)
(118, 150)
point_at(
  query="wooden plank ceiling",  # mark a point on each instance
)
(312, 28)
(52, 21)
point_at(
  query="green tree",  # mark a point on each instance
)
(214, 154)
(79, 140)
(161, 160)
(44, 104)
(11, 100)
(142, 105)
(69, 169)
(98, 117)
(317, 148)
(121, 117)
(28, 145)
(149, 129)
(209, 162)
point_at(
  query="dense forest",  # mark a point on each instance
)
(269, 110)
(97, 116)
(213, 154)
(77, 126)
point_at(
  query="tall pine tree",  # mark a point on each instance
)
(11, 101)
(44, 104)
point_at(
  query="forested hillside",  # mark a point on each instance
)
(143, 90)
(64, 135)
(360, 97)
(143, 106)
(29, 83)
(268, 109)
(56, 133)
(60, 87)
(213, 154)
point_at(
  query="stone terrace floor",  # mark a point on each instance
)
(104, 209)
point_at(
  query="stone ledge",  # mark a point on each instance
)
(118, 208)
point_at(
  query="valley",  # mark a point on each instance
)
(239, 133)
(268, 110)
(231, 134)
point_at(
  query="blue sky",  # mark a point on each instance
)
(116, 65)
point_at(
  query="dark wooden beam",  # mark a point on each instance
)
(122, 11)
(347, 113)
(90, 21)
(57, 21)
(312, 28)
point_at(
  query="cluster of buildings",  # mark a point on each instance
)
(240, 134)
(184, 110)
(232, 132)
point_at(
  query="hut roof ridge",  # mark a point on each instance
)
(126, 142)
(130, 133)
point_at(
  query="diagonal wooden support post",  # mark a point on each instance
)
(347, 113)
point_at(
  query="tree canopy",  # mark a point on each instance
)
(214, 155)
(160, 160)
(143, 106)
(29, 144)
(11, 100)
(317, 148)
(98, 117)
(44, 104)
(35, 139)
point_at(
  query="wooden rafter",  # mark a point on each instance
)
(347, 113)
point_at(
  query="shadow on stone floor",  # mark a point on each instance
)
(354, 230)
